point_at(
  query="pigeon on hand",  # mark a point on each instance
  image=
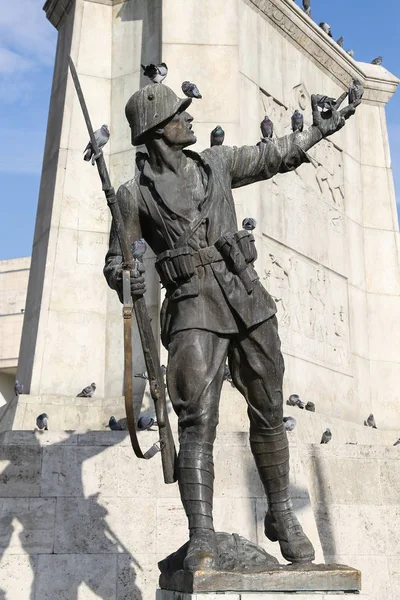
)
(139, 248)
(191, 90)
(370, 422)
(114, 425)
(41, 422)
(310, 406)
(157, 73)
(325, 27)
(340, 41)
(326, 436)
(145, 423)
(217, 136)
(228, 376)
(350, 53)
(18, 388)
(267, 128)
(356, 91)
(289, 423)
(397, 443)
(143, 375)
(101, 136)
(294, 400)
(249, 224)
(377, 61)
(297, 121)
(87, 392)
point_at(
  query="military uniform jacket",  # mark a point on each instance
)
(215, 299)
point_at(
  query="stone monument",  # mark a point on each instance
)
(72, 330)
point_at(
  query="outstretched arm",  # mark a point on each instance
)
(324, 124)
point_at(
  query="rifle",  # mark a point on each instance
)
(138, 306)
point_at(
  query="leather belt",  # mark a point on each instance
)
(206, 256)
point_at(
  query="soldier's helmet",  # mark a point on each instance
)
(149, 107)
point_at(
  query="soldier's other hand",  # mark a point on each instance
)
(330, 121)
(138, 284)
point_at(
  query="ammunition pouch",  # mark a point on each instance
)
(238, 252)
(175, 266)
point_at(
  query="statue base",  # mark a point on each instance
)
(169, 595)
(242, 566)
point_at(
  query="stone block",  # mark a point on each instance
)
(358, 321)
(137, 576)
(356, 254)
(385, 392)
(384, 316)
(104, 525)
(20, 471)
(375, 574)
(382, 264)
(76, 577)
(205, 23)
(127, 34)
(27, 525)
(97, 25)
(172, 530)
(371, 142)
(138, 478)
(248, 41)
(377, 201)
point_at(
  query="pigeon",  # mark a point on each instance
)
(163, 370)
(228, 376)
(157, 73)
(377, 61)
(139, 248)
(143, 375)
(217, 136)
(356, 91)
(114, 425)
(325, 27)
(249, 224)
(297, 121)
(18, 388)
(307, 7)
(397, 443)
(145, 423)
(41, 422)
(191, 90)
(350, 53)
(340, 41)
(325, 102)
(289, 423)
(310, 406)
(294, 400)
(101, 136)
(370, 422)
(87, 392)
(267, 128)
(326, 436)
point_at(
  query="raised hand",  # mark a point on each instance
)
(330, 121)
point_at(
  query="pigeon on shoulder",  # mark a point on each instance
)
(217, 136)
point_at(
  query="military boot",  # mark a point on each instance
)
(271, 453)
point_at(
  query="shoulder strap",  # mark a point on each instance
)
(154, 211)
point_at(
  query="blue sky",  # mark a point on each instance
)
(27, 48)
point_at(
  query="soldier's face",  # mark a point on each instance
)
(178, 132)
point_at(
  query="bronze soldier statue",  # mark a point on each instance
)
(215, 307)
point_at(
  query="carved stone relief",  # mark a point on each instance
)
(312, 306)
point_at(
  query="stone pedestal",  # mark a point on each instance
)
(167, 595)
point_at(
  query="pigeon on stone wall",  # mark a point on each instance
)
(217, 136)
(87, 392)
(101, 136)
(249, 224)
(307, 7)
(397, 443)
(297, 121)
(191, 90)
(326, 436)
(18, 388)
(267, 128)
(145, 423)
(114, 425)
(310, 406)
(41, 422)
(289, 423)
(377, 61)
(156, 73)
(340, 41)
(350, 53)
(294, 400)
(325, 27)
(356, 91)
(370, 422)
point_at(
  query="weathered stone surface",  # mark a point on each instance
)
(27, 525)
(20, 471)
